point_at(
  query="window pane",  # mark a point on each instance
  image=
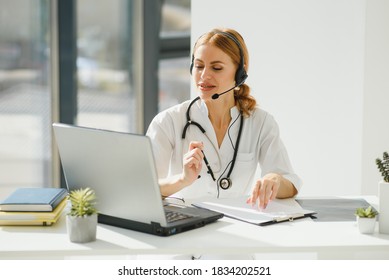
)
(174, 82)
(175, 17)
(104, 65)
(25, 117)
(174, 76)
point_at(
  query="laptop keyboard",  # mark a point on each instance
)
(172, 216)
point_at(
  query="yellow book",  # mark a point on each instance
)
(32, 218)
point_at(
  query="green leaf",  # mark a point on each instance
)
(83, 202)
(383, 166)
(368, 212)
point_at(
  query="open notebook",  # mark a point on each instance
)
(278, 210)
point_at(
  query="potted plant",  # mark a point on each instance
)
(81, 221)
(383, 166)
(383, 193)
(366, 218)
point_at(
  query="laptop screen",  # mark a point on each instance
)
(118, 166)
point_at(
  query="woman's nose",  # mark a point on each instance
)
(205, 74)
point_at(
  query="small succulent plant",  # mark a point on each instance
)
(368, 212)
(83, 202)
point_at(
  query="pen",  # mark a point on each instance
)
(208, 166)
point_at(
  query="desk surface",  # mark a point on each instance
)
(322, 240)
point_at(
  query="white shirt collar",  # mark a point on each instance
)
(234, 112)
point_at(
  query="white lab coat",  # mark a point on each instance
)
(260, 143)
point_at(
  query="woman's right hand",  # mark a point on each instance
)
(192, 162)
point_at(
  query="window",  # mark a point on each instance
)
(109, 89)
(174, 76)
(106, 95)
(25, 101)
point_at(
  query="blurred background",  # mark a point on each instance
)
(109, 43)
(320, 67)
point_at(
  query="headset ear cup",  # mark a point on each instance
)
(191, 65)
(240, 76)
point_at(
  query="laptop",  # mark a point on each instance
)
(120, 168)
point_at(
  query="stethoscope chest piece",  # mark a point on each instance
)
(225, 183)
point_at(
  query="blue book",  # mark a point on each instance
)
(33, 199)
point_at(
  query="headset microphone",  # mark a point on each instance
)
(216, 95)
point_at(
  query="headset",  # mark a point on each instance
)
(241, 74)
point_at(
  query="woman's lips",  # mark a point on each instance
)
(206, 87)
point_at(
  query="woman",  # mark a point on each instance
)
(212, 145)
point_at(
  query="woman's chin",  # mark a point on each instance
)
(206, 95)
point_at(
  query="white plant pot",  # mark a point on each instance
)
(383, 217)
(81, 229)
(366, 225)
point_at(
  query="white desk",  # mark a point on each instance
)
(300, 239)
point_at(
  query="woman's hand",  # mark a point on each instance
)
(271, 186)
(193, 162)
(265, 190)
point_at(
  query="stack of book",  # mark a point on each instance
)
(33, 206)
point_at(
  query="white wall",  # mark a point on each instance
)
(376, 91)
(307, 68)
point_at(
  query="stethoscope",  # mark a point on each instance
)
(224, 183)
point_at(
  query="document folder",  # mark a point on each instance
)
(277, 211)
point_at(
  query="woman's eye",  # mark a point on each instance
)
(214, 68)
